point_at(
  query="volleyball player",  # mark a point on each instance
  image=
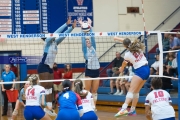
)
(87, 101)
(70, 103)
(92, 62)
(45, 71)
(21, 100)
(142, 71)
(158, 103)
(35, 97)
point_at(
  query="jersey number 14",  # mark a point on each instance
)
(31, 91)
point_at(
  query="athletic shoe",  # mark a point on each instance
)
(132, 113)
(15, 112)
(50, 112)
(116, 93)
(121, 113)
(121, 93)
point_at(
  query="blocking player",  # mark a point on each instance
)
(45, 71)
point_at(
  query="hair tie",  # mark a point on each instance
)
(77, 83)
(66, 88)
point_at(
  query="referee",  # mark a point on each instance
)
(7, 76)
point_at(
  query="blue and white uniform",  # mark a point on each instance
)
(33, 108)
(159, 101)
(90, 55)
(140, 64)
(88, 107)
(50, 50)
(22, 97)
(70, 106)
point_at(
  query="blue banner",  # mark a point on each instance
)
(31, 60)
(80, 9)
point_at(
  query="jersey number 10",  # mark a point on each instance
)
(158, 94)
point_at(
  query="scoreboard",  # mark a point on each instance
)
(40, 16)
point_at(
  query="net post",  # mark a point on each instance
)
(145, 42)
(178, 58)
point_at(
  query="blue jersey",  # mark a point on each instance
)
(70, 100)
(50, 47)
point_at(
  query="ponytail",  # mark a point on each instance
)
(78, 85)
(136, 46)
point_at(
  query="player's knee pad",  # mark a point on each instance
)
(129, 95)
(94, 95)
(136, 95)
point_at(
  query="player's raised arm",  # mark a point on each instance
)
(118, 39)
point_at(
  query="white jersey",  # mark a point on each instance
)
(137, 59)
(159, 101)
(155, 65)
(88, 102)
(33, 95)
(51, 54)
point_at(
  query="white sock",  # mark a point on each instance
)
(132, 108)
(49, 104)
(121, 91)
(124, 107)
(117, 90)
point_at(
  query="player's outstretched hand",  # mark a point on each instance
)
(68, 21)
(89, 21)
(74, 24)
(80, 21)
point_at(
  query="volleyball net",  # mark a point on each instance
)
(70, 51)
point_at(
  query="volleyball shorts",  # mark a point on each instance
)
(143, 72)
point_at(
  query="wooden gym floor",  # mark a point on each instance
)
(104, 113)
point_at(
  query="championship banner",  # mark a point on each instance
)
(80, 9)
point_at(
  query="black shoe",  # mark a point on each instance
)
(4, 114)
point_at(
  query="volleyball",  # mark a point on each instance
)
(85, 26)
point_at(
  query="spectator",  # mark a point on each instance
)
(14, 69)
(167, 84)
(131, 73)
(171, 41)
(68, 72)
(7, 76)
(172, 66)
(176, 42)
(155, 66)
(57, 75)
(165, 43)
(114, 72)
(167, 57)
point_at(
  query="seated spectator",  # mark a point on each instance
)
(130, 73)
(176, 42)
(155, 66)
(165, 43)
(120, 85)
(68, 72)
(171, 41)
(172, 66)
(167, 84)
(167, 57)
(114, 72)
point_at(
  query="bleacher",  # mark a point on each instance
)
(104, 98)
